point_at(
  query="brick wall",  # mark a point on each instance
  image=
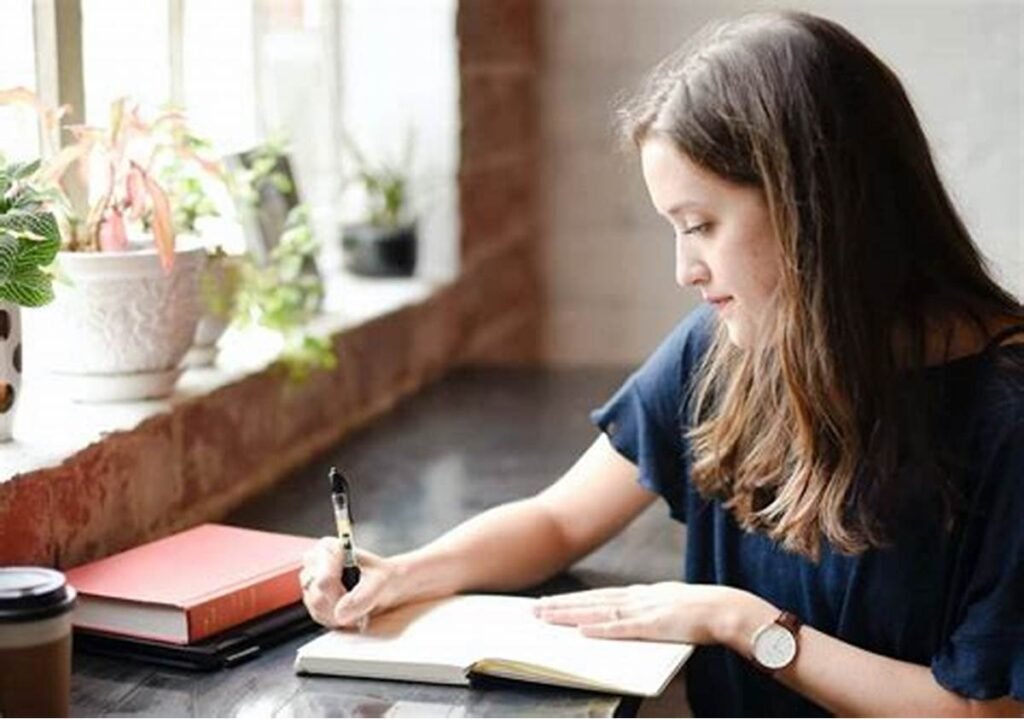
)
(212, 452)
(498, 69)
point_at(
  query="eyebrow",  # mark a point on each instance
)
(687, 205)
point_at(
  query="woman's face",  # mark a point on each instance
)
(723, 236)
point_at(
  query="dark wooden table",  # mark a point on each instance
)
(476, 439)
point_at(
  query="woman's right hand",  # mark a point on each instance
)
(326, 599)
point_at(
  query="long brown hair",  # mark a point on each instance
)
(804, 434)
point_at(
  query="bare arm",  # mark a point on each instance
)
(850, 681)
(843, 678)
(522, 543)
(505, 548)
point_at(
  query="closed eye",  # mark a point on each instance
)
(701, 229)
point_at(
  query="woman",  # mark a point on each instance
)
(841, 426)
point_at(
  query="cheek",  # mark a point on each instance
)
(763, 266)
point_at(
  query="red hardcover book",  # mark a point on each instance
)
(190, 585)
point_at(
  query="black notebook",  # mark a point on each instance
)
(237, 645)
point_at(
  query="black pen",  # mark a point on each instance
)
(341, 498)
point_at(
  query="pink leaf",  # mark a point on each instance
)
(163, 230)
(18, 96)
(135, 187)
(56, 166)
(49, 117)
(112, 234)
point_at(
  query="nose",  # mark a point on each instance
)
(690, 269)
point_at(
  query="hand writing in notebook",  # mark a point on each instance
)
(327, 600)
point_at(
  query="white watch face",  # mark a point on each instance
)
(774, 646)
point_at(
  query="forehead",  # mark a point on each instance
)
(675, 182)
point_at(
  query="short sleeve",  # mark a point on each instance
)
(643, 419)
(982, 655)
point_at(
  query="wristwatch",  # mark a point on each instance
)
(773, 646)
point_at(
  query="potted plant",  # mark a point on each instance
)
(192, 175)
(384, 243)
(121, 325)
(29, 240)
(282, 296)
(262, 286)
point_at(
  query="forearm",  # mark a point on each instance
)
(506, 548)
(847, 680)
(522, 543)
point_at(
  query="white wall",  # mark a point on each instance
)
(608, 259)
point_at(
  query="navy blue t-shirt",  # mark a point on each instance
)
(951, 601)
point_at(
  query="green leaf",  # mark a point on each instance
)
(39, 225)
(8, 256)
(21, 279)
(30, 289)
(21, 170)
(37, 254)
(39, 231)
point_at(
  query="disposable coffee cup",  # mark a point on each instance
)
(35, 642)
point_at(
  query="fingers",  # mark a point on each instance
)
(618, 629)
(609, 621)
(591, 606)
(325, 597)
(592, 597)
(353, 607)
(612, 613)
(320, 580)
(575, 616)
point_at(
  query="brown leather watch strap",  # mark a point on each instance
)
(790, 621)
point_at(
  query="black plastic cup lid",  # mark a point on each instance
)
(31, 593)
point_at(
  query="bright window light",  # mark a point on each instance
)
(19, 135)
(219, 74)
(126, 51)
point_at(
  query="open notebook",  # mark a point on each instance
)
(446, 641)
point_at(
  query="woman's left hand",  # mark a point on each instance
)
(668, 611)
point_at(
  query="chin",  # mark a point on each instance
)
(737, 333)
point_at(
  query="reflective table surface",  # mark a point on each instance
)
(475, 439)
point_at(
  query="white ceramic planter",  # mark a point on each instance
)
(121, 329)
(203, 352)
(10, 366)
(211, 327)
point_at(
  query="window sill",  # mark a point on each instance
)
(39, 442)
(350, 301)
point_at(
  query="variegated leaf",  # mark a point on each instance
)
(21, 170)
(39, 226)
(31, 288)
(8, 256)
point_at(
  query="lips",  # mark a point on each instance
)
(718, 302)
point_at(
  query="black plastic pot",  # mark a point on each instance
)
(376, 251)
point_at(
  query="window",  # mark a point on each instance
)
(296, 73)
(246, 70)
(19, 135)
(218, 72)
(125, 52)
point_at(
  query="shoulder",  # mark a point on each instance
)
(997, 431)
(999, 392)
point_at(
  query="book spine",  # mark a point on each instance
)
(241, 604)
